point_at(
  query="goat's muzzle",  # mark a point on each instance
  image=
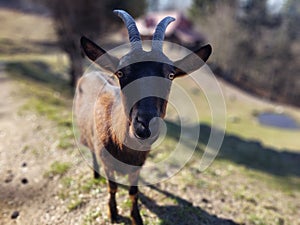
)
(146, 126)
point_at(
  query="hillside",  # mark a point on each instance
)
(254, 180)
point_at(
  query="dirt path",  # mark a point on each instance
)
(27, 148)
(21, 175)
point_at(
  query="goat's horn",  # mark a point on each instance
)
(133, 32)
(159, 33)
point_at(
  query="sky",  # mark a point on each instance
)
(275, 5)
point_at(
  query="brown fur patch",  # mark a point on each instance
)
(103, 123)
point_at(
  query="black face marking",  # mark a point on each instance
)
(140, 70)
(146, 109)
(140, 104)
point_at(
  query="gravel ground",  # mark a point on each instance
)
(32, 191)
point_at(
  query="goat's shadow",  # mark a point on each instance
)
(183, 213)
(250, 153)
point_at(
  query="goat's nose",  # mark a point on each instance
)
(142, 130)
(146, 126)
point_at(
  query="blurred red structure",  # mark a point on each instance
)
(181, 31)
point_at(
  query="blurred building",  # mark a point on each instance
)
(163, 5)
(181, 31)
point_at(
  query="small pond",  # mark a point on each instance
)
(278, 120)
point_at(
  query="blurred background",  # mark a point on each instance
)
(256, 53)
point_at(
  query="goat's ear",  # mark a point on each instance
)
(191, 62)
(93, 52)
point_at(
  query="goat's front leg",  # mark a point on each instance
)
(112, 189)
(95, 166)
(133, 193)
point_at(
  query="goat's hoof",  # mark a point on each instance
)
(114, 216)
(96, 175)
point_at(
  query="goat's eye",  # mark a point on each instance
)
(171, 76)
(119, 74)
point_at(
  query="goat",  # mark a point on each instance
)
(113, 126)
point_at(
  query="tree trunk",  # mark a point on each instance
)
(76, 69)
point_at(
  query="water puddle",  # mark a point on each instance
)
(281, 120)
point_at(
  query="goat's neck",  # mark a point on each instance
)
(121, 133)
(119, 122)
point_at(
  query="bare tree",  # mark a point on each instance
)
(254, 47)
(92, 18)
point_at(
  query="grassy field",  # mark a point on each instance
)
(254, 180)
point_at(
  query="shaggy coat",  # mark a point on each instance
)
(103, 123)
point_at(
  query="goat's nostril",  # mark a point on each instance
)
(142, 134)
(142, 131)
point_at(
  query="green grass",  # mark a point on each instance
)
(58, 168)
(54, 106)
(18, 36)
(67, 181)
(245, 124)
(91, 217)
(256, 220)
(47, 93)
(40, 71)
(90, 184)
(75, 204)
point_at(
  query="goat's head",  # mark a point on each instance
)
(153, 66)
